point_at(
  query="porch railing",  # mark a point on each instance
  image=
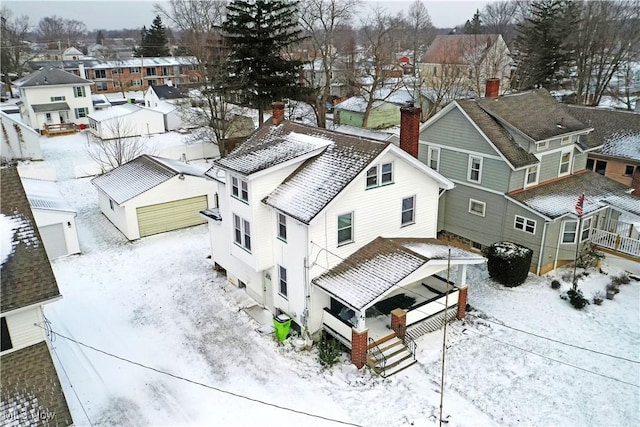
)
(410, 344)
(615, 242)
(337, 327)
(376, 356)
(431, 307)
(52, 129)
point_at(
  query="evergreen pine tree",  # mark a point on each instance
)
(153, 42)
(544, 47)
(475, 25)
(100, 38)
(259, 32)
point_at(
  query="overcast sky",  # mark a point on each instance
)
(117, 14)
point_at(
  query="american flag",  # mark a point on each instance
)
(579, 204)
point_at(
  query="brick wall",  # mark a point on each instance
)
(359, 347)
(462, 302)
(399, 322)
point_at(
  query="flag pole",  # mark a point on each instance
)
(579, 211)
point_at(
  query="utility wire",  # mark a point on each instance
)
(199, 383)
(72, 387)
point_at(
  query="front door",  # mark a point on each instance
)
(64, 116)
(268, 292)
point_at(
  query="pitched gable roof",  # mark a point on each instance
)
(535, 114)
(142, 174)
(382, 264)
(45, 195)
(618, 132)
(558, 198)
(451, 49)
(168, 92)
(502, 140)
(50, 76)
(26, 275)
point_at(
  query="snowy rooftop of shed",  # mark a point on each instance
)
(558, 198)
(142, 174)
(115, 111)
(376, 268)
(45, 195)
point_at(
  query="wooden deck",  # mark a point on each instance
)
(59, 129)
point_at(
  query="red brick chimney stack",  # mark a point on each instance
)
(493, 88)
(278, 113)
(410, 129)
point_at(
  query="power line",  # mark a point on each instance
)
(199, 383)
(554, 360)
(72, 387)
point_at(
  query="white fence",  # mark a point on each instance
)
(616, 242)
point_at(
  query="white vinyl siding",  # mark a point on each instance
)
(242, 232)
(240, 189)
(379, 175)
(345, 228)
(477, 207)
(524, 224)
(282, 273)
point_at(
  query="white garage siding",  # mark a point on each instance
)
(54, 240)
(169, 216)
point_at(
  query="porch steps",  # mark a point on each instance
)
(431, 324)
(396, 358)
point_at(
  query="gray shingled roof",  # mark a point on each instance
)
(517, 156)
(54, 106)
(382, 264)
(141, 174)
(534, 113)
(618, 132)
(559, 197)
(30, 386)
(26, 276)
(168, 92)
(271, 145)
(50, 76)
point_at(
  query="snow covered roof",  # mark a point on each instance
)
(27, 277)
(363, 132)
(141, 174)
(617, 131)
(558, 198)
(99, 99)
(114, 111)
(400, 97)
(536, 114)
(30, 386)
(92, 63)
(164, 107)
(271, 145)
(45, 195)
(50, 76)
(381, 265)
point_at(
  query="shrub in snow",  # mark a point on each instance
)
(589, 257)
(598, 297)
(620, 279)
(328, 351)
(576, 298)
(508, 263)
(555, 284)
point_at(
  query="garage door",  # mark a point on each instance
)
(53, 239)
(169, 216)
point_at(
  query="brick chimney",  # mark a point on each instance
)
(278, 113)
(410, 129)
(493, 88)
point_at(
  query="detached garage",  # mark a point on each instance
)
(55, 218)
(151, 195)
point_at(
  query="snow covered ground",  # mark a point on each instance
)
(157, 302)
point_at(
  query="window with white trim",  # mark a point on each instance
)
(81, 112)
(408, 210)
(101, 86)
(242, 232)
(531, 177)
(47, 117)
(565, 140)
(586, 229)
(134, 70)
(380, 175)
(477, 207)
(345, 228)
(524, 224)
(372, 177)
(100, 74)
(475, 169)
(282, 227)
(386, 173)
(240, 189)
(58, 98)
(433, 158)
(565, 163)
(542, 146)
(79, 92)
(569, 231)
(282, 273)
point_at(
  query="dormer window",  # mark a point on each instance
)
(240, 189)
(380, 175)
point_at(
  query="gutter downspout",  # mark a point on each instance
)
(555, 261)
(542, 246)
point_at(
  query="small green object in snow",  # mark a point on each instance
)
(282, 324)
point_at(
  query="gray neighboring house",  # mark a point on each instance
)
(519, 165)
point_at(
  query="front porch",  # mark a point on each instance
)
(59, 129)
(619, 237)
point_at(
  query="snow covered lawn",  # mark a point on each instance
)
(158, 302)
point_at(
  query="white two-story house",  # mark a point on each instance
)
(334, 230)
(51, 96)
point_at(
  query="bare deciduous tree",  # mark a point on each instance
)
(500, 17)
(15, 52)
(55, 29)
(420, 27)
(321, 19)
(124, 144)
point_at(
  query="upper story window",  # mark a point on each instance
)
(565, 163)
(542, 146)
(151, 71)
(565, 140)
(524, 224)
(345, 228)
(628, 170)
(116, 71)
(79, 92)
(380, 175)
(531, 177)
(477, 207)
(240, 189)
(134, 69)
(5, 339)
(283, 281)
(282, 227)
(408, 210)
(475, 169)
(58, 98)
(569, 231)
(433, 158)
(242, 232)
(100, 74)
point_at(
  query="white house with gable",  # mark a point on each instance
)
(304, 213)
